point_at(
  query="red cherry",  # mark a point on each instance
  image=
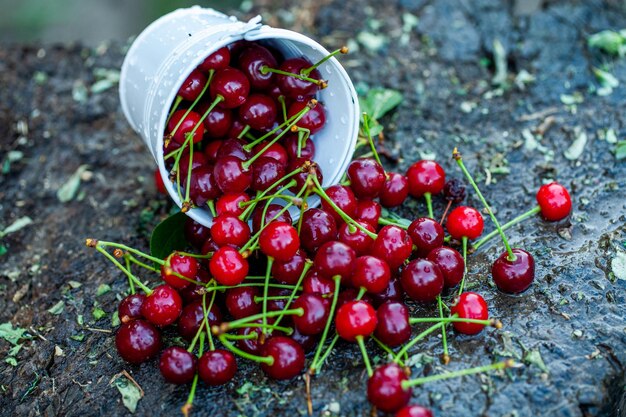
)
(195, 290)
(367, 177)
(371, 273)
(228, 266)
(305, 168)
(466, 222)
(422, 280)
(217, 367)
(414, 411)
(279, 240)
(259, 112)
(137, 341)
(384, 388)
(195, 233)
(313, 120)
(162, 306)
(393, 292)
(187, 125)
(393, 327)
(233, 147)
(287, 355)
(427, 234)
(231, 176)
(181, 265)
(392, 245)
(344, 198)
(230, 203)
(232, 85)
(394, 191)
(192, 317)
(554, 201)
(274, 151)
(293, 87)
(425, 177)
(177, 365)
(357, 239)
(470, 305)
(197, 161)
(316, 310)
(307, 149)
(218, 122)
(315, 283)
(253, 345)
(516, 276)
(130, 307)
(228, 229)
(335, 259)
(217, 60)
(368, 211)
(192, 86)
(354, 319)
(265, 173)
(351, 294)
(318, 227)
(212, 149)
(307, 341)
(203, 186)
(451, 264)
(251, 60)
(158, 182)
(270, 213)
(240, 301)
(289, 271)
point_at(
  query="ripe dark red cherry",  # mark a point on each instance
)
(212, 150)
(466, 222)
(192, 86)
(426, 234)
(228, 266)
(344, 198)
(308, 342)
(318, 227)
(177, 365)
(335, 259)
(451, 264)
(293, 87)
(130, 307)
(137, 341)
(516, 276)
(231, 176)
(393, 245)
(393, 327)
(274, 151)
(270, 213)
(217, 60)
(367, 177)
(371, 273)
(252, 345)
(307, 149)
(422, 280)
(305, 168)
(233, 147)
(315, 283)
(414, 411)
(266, 172)
(279, 240)
(198, 160)
(288, 358)
(470, 305)
(354, 319)
(352, 294)
(357, 239)
(259, 112)
(368, 211)
(251, 60)
(228, 229)
(232, 85)
(192, 318)
(394, 191)
(554, 201)
(313, 120)
(315, 315)
(393, 292)
(195, 290)
(230, 203)
(203, 186)
(240, 301)
(186, 126)
(196, 233)
(181, 265)
(217, 367)
(289, 271)
(162, 306)
(425, 177)
(218, 122)
(384, 388)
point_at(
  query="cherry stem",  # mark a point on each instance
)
(131, 258)
(247, 284)
(464, 244)
(283, 106)
(184, 207)
(130, 276)
(307, 265)
(208, 255)
(268, 360)
(268, 272)
(211, 205)
(387, 222)
(265, 69)
(445, 212)
(286, 330)
(243, 216)
(416, 339)
(452, 319)
(386, 348)
(206, 311)
(320, 191)
(429, 205)
(192, 393)
(366, 359)
(326, 354)
(302, 137)
(362, 292)
(243, 132)
(342, 50)
(530, 213)
(459, 160)
(477, 370)
(130, 281)
(250, 319)
(331, 314)
(195, 102)
(366, 128)
(444, 337)
(248, 336)
(177, 102)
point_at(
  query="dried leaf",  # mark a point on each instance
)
(57, 308)
(578, 146)
(130, 393)
(68, 191)
(16, 225)
(618, 265)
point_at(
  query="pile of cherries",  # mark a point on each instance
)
(260, 285)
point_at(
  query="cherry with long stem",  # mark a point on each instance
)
(366, 359)
(416, 339)
(476, 370)
(186, 408)
(530, 213)
(331, 313)
(464, 241)
(444, 337)
(343, 50)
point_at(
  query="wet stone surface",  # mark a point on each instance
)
(567, 331)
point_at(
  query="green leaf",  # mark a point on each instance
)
(10, 334)
(103, 289)
(79, 337)
(15, 349)
(57, 308)
(611, 42)
(533, 357)
(11, 361)
(115, 319)
(168, 236)
(380, 101)
(130, 393)
(98, 313)
(16, 225)
(620, 150)
(3, 250)
(68, 191)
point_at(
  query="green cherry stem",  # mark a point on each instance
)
(268, 272)
(366, 128)
(307, 265)
(193, 105)
(331, 314)
(387, 222)
(225, 326)
(386, 348)
(429, 205)
(287, 330)
(444, 337)
(459, 160)
(192, 393)
(477, 370)
(206, 311)
(366, 359)
(287, 122)
(464, 244)
(265, 70)
(416, 339)
(326, 354)
(342, 50)
(131, 284)
(530, 213)
(268, 360)
(177, 102)
(130, 276)
(249, 336)
(453, 319)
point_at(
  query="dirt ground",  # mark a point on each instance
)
(513, 114)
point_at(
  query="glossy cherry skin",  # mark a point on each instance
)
(228, 266)
(354, 319)
(240, 301)
(217, 60)
(231, 203)
(275, 151)
(251, 60)
(253, 345)
(425, 177)
(516, 276)
(554, 201)
(158, 182)
(305, 168)
(217, 367)
(451, 264)
(367, 177)
(393, 327)
(470, 305)
(313, 120)
(293, 87)
(344, 198)
(232, 85)
(384, 388)
(318, 227)
(414, 411)
(218, 122)
(185, 266)
(192, 86)
(192, 318)
(194, 291)
(279, 240)
(316, 310)
(266, 172)
(393, 245)
(356, 239)
(307, 149)
(228, 229)
(270, 215)
(426, 234)
(394, 191)
(288, 358)
(130, 307)
(289, 271)
(233, 147)
(368, 211)
(212, 150)
(137, 341)
(177, 365)
(197, 161)
(393, 292)
(307, 341)
(163, 306)
(315, 283)
(195, 233)
(186, 126)
(422, 280)
(466, 222)
(349, 295)
(335, 259)
(202, 187)
(231, 176)
(259, 112)
(371, 273)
